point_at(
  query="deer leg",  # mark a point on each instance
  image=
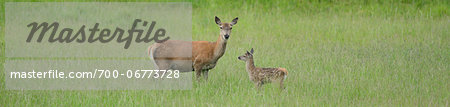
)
(258, 85)
(198, 74)
(198, 71)
(282, 84)
(205, 74)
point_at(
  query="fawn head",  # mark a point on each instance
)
(225, 28)
(247, 55)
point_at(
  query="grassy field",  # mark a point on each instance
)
(338, 53)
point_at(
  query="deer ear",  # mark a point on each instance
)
(248, 53)
(234, 21)
(218, 20)
(251, 51)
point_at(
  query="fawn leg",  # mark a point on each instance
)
(282, 84)
(258, 85)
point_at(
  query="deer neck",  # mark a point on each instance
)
(250, 65)
(220, 47)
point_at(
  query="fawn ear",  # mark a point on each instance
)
(234, 21)
(218, 20)
(251, 51)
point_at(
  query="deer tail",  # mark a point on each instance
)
(284, 72)
(151, 51)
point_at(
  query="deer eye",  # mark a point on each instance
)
(220, 27)
(231, 28)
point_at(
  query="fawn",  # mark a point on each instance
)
(175, 54)
(259, 76)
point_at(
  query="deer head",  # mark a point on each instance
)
(247, 55)
(225, 28)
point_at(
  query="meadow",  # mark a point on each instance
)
(337, 52)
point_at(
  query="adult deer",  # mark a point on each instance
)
(204, 54)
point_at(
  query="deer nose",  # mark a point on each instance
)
(227, 36)
(239, 57)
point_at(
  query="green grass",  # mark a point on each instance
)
(338, 53)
